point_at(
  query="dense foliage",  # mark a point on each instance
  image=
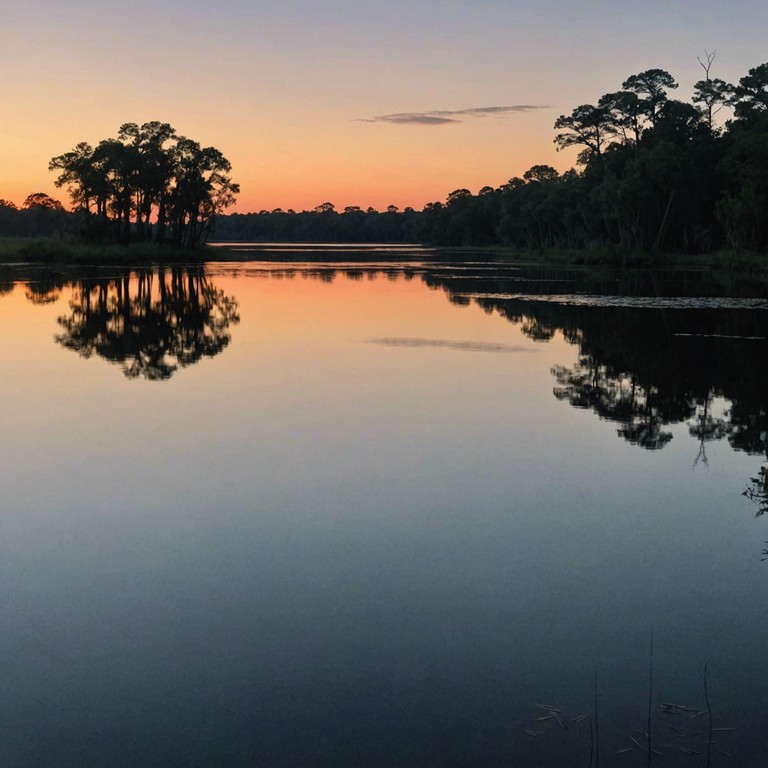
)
(39, 215)
(654, 173)
(323, 224)
(149, 183)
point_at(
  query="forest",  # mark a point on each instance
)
(147, 184)
(653, 174)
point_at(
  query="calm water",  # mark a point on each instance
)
(372, 514)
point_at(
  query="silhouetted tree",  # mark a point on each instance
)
(750, 96)
(42, 200)
(148, 173)
(651, 88)
(712, 94)
(587, 126)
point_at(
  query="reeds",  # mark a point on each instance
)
(682, 734)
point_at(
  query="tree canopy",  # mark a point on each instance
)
(148, 183)
(654, 173)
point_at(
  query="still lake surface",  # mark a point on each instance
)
(372, 513)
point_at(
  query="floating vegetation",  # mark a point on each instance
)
(553, 714)
(639, 302)
(670, 730)
(679, 709)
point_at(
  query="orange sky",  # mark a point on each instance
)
(289, 92)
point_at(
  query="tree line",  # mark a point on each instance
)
(39, 215)
(653, 173)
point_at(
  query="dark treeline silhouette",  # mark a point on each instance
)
(323, 224)
(654, 174)
(39, 216)
(149, 183)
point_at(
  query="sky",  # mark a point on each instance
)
(356, 103)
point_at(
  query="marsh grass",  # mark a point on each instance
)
(678, 722)
(48, 250)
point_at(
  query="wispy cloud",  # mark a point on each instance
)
(463, 346)
(443, 116)
(410, 118)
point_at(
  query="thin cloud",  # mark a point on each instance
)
(411, 118)
(443, 116)
(462, 346)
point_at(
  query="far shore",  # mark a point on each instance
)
(54, 251)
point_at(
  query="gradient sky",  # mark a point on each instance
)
(289, 91)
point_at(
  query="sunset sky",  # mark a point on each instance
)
(357, 103)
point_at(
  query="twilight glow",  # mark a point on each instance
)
(357, 103)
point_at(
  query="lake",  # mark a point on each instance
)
(382, 512)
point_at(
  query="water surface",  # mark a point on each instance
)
(372, 513)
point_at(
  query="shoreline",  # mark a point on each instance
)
(52, 251)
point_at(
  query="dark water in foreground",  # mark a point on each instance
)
(373, 514)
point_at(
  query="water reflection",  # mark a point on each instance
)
(757, 491)
(149, 322)
(464, 346)
(46, 288)
(690, 348)
(387, 552)
(653, 350)
(619, 398)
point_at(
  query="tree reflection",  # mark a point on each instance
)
(150, 323)
(46, 289)
(6, 280)
(645, 368)
(706, 427)
(757, 491)
(642, 367)
(614, 397)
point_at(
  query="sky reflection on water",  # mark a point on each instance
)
(309, 549)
